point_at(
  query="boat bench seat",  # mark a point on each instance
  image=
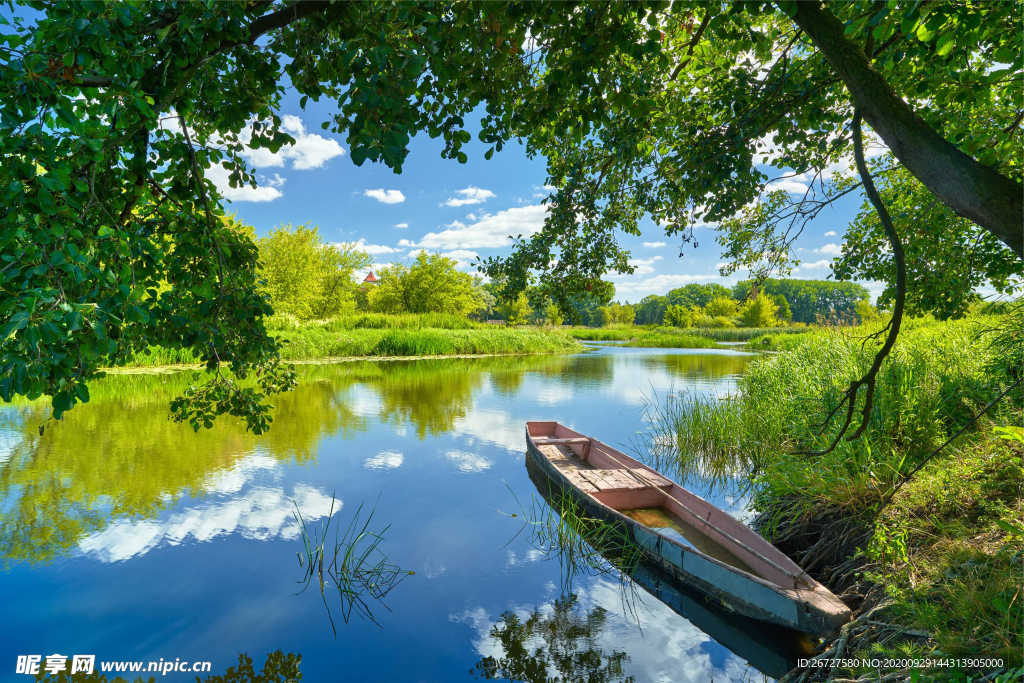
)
(624, 480)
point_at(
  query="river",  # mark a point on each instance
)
(128, 536)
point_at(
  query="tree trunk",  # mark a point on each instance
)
(969, 188)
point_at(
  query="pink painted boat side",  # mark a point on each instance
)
(753, 577)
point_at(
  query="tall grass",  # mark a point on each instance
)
(737, 334)
(644, 337)
(670, 340)
(313, 342)
(937, 550)
(377, 335)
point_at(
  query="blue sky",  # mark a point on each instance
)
(467, 210)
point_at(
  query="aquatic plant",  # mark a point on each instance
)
(353, 565)
(582, 545)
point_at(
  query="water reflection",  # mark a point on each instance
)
(564, 638)
(129, 535)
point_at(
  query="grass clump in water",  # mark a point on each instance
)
(352, 564)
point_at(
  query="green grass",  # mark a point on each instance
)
(647, 336)
(378, 335)
(671, 340)
(315, 341)
(737, 334)
(944, 553)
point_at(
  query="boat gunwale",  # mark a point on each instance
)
(815, 587)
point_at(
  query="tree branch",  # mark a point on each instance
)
(691, 45)
(969, 188)
(868, 381)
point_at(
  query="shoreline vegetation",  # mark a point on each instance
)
(386, 336)
(934, 573)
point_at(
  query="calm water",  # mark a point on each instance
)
(127, 536)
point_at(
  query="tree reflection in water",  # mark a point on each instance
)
(565, 641)
(279, 668)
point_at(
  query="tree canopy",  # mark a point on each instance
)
(432, 284)
(112, 114)
(811, 300)
(306, 277)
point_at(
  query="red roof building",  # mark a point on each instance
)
(371, 277)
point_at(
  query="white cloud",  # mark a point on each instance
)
(470, 195)
(830, 249)
(643, 266)
(386, 196)
(830, 233)
(388, 460)
(267, 189)
(401, 225)
(468, 462)
(309, 151)
(659, 284)
(823, 263)
(463, 256)
(491, 231)
(374, 249)
(234, 503)
(654, 245)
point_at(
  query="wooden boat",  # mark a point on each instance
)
(689, 538)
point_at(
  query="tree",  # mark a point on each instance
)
(784, 313)
(637, 112)
(581, 308)
(678, 316)
(760, 311)
(553, 315)
(515, 312)
(603, 316)
(810, 299)
(694, 295)
(304, 276)
(432, 284)
(651, 310)
(941, 274)
(721, 306)
(865, 311)
(625, 314)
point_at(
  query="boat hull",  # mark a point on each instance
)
(815, 612)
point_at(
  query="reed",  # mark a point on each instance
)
(736, 334)
(670, 340)
(941, 553)
(582, 545)
(353, 564)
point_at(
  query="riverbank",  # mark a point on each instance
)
(934, 574)
(389, 336)
(651, 336)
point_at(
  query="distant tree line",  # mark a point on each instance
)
(310, 279)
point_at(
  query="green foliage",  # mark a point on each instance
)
(306, 277)
(721, 307)
(432, 284)
(553, 315)
(515, 312)
(761, 311)
(678, 315)
(279, 668)
(866, 313)
(581, 309)
(688, 152)
(811, 300)
(697, 296)
(651, 310)
(785, 313)
(970, 256)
